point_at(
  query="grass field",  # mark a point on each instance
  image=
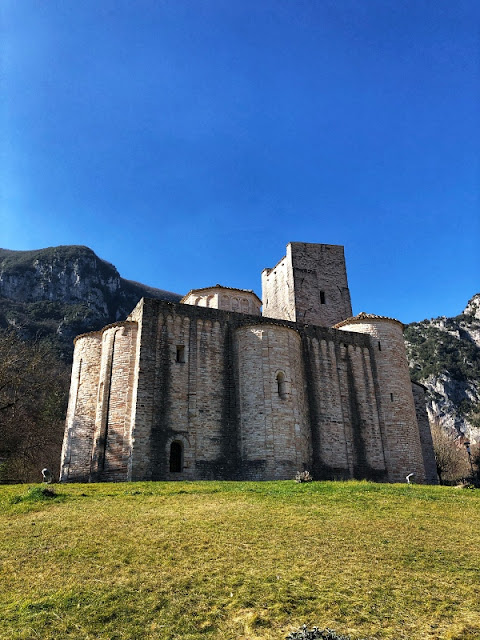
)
(238, 561)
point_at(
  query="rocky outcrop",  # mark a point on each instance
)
(444, 355)
(472, 310)
(64, 291)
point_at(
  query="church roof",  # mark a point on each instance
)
(365, 317)
(220, 286)
(120, 323)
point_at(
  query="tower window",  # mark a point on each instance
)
(391, 397)
(379, 346)
(281, 386)
(176, 454)
(322, 297)
(180, 353)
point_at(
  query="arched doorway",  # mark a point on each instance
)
(176, 455)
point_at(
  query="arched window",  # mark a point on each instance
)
(176, 455)
(281, 386)
(225, 303)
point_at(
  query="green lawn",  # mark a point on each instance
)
(227, 560)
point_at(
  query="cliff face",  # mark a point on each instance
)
(444, 355)
(64, 291)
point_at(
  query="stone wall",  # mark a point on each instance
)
(184, 394)
(81, 412)
(187, 392)
(400, 433)
(345, 426)
(431, 476)
(274, 430)
(278, 294)
(97, 437)
(111, 445)
(234, 417)
(308, 286)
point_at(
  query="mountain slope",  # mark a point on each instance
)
(444, 355)
(66, 290)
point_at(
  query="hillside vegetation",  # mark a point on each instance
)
(239, 561)
(444, 356)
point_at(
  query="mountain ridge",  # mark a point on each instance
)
(58, 292)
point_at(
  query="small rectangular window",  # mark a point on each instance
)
(391, 397)
(322, 297)
(379, 346)
(180, 353)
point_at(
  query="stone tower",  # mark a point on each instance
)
(309, 285)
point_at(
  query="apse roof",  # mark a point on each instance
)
(362, 317)
(220, 286)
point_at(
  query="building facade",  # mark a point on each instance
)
(210, 388)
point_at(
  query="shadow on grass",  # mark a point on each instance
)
(37, 494)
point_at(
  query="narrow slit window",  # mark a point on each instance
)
(176, 455)
(322, 297)
(180, 353)
(379, 346)
(281, 387)
(391, 397)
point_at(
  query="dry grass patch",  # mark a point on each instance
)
(237, 561)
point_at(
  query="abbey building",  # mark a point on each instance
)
(214, 388)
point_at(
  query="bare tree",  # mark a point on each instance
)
(33, 393)
(450, 455)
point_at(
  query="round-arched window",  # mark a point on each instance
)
(281, 385)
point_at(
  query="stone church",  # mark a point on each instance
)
(214, 387)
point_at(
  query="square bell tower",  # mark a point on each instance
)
(309, 285)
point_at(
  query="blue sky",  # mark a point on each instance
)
(187, 142)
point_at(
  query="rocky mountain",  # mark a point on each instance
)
(63, 291)
(444, 355)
